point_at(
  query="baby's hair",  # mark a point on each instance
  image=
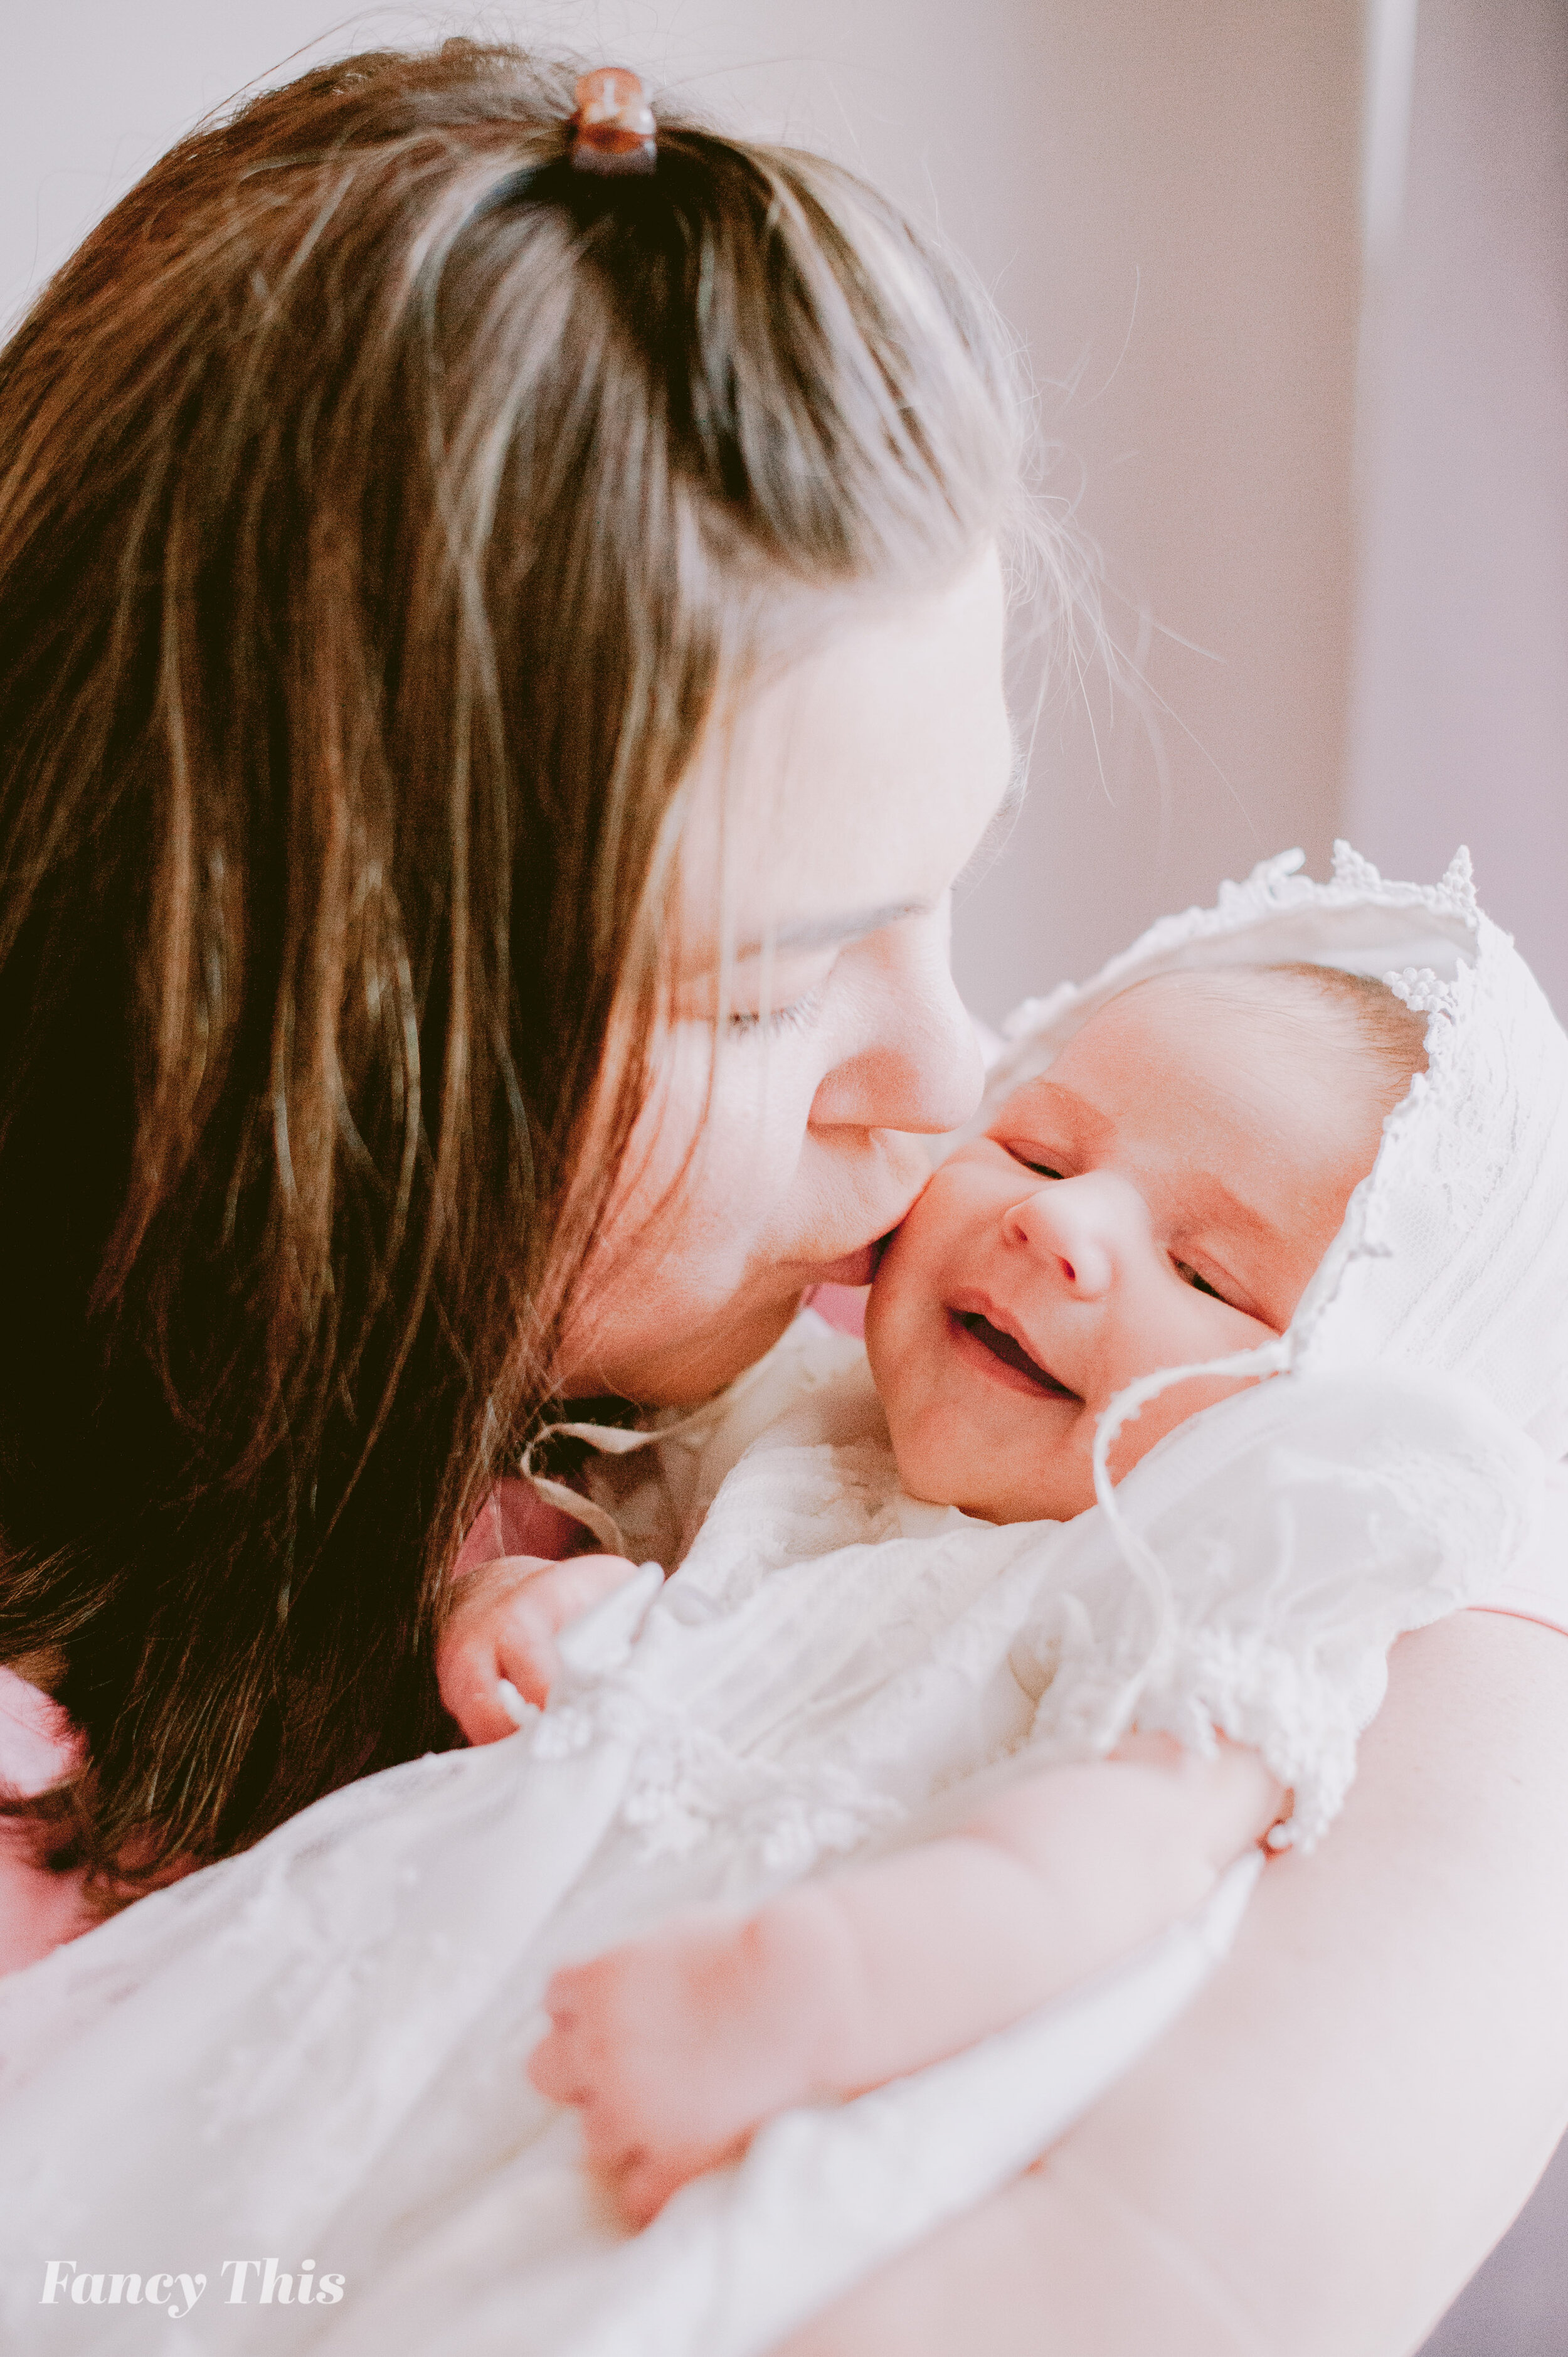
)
(1394, 1037)
(1390, 1039)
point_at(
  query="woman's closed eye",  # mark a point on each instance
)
(798, 1015)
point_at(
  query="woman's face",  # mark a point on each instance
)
(815, 1029)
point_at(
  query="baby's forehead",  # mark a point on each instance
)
(1178, 1015)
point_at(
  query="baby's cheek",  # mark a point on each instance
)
(926, 1467)
(1055, 1481)
(893, 1337)
(922, 1438)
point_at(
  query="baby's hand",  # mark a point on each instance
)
(498, 1650)
(675, 2048)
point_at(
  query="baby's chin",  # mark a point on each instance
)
(990, 1491)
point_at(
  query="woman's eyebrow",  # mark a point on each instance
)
(821, 933)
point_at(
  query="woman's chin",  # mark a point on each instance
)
(857, 1267)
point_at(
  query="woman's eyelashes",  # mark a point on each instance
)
(798, 1015)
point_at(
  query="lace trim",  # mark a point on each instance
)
(685, 1785)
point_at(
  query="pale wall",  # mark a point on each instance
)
(1162, 197)
(1461, 713)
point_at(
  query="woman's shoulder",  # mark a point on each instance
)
(1537, 1586)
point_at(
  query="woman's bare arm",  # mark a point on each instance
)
(1326, 2147)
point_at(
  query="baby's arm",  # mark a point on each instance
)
(512, 1597)
(676, 2047)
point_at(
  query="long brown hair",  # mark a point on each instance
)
(374, 518)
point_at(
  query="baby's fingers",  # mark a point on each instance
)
(1248, 1797)
(644, 2182)
(599, 2058)
(526, 1629)
(554, 2067)
(500, 1652)
(469, 1676)
(571, 1588)
(527, 1656)
(573, 2058)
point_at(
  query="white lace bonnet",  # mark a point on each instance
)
(1454, 1252)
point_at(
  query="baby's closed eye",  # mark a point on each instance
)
(1039, 1165)
(1191, 1275)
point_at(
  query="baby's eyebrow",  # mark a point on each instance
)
(1088, 1122)
(1220, 1203)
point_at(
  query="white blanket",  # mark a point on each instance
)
(314, 2051)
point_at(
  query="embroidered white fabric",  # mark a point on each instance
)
(315, 2050)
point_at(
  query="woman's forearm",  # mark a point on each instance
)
(1329, 2143)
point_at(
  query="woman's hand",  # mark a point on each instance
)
(498, 1650)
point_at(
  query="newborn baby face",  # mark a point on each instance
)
(1161, 1196)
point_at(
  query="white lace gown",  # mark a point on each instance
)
(316, 2051)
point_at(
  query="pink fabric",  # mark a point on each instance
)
(37, 1743)
(37, 1746)
(842, 1306)
(514, 1520)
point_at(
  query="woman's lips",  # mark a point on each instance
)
(1006, 1354)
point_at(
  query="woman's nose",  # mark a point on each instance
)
(919, 1067)
(1082, 1224)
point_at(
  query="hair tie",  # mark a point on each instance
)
(614, 123)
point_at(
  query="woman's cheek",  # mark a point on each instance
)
(669, 1121)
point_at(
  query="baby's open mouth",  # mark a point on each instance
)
(1011, 1353)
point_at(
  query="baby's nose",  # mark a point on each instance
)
(1074, 1222)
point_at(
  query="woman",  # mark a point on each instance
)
(501, 666)
(390, 515)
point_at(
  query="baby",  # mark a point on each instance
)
(843, 1673)
(1160, 1198)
